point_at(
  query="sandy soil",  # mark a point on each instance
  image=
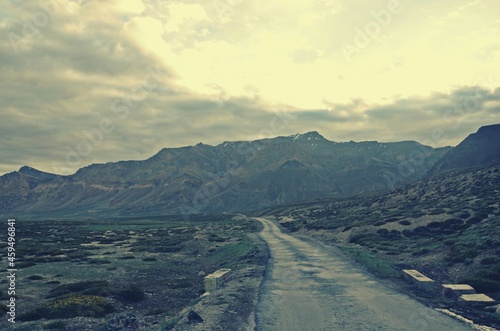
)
(309, 286)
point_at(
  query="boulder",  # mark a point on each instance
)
(194, 317)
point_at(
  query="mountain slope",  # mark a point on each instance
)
(447, 226)
(479, 149)
(232, 176)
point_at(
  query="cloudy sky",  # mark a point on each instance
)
(95, 81)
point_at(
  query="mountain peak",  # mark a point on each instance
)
(292, 164)
(311, 135)
(489, 130)
(478, 149)
(28, 170)
(35, 174)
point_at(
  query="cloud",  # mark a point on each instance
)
(184, 16)
(90, 81)
(129, 6)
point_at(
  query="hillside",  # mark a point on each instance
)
(447, 226)
(232, 176)
(479, 149)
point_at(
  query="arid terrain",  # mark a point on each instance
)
(135, 274)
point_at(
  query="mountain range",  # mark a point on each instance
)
(236, 176)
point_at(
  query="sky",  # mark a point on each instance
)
(85, 82)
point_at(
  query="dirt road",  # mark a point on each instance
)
(310, 287)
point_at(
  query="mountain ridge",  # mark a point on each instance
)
(478, 149)
(231, 176)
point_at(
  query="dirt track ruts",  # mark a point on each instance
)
(309, 286)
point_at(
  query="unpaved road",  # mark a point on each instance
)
(310, 287)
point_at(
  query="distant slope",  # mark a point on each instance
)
(479, 149)
(232, 176)
(17, 186)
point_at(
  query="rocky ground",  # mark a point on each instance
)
(145, 274)
(228, 308)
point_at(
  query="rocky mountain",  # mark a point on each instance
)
(232, 176)
(477, 150)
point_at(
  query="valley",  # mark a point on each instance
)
(314, 232)
(231, 165)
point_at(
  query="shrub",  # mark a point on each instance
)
(434, 225)
(456, 224)
(25, 264)
(489, 261)
(157, 311)
(34, 277)
(482, 285)
(99, 287)
(216, 238)
(453, 221)
(449, 242)
(404, 222)
(347, 228)
(383, 232)
(78, 254)
(464, 215)
(418, 231)
(423, 251)
(374, 264)
(165, 249)
(58, 325)
(127, 257)
(180, 283)
(132, 293)
(69, 307)
(459, 253)
(98, 261)
(363, 238)
(474, 219)
(149, 259)
(170, 323)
